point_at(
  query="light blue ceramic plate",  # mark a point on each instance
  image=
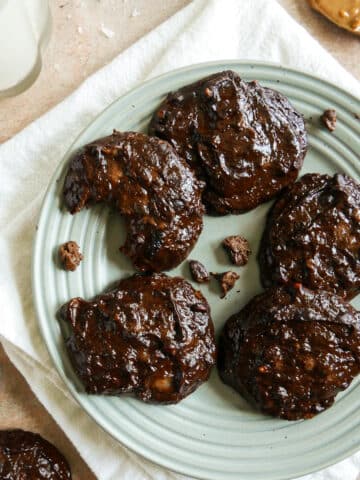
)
(213, 434)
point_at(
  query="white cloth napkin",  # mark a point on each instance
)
(205, 30)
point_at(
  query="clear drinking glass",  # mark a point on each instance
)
(25, 27)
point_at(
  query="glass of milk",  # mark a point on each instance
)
(25, 27)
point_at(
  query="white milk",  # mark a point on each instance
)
(24, 28)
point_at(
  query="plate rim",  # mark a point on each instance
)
(36, 255)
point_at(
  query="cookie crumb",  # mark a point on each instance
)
(70, 255)
(198, 271)
(227, 281)
(329, 119)
(107, 32)
(238, 249)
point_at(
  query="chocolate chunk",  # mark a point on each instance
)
(198, 272)
(227, 281)
(70, 256)
(329, 119)
(238, 249)
(28, 456)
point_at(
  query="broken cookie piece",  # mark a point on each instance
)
(198, 272)
(70, 255)
(226, 280)
(28, 456)
(238, 249)
(148, 184)
(329, 118)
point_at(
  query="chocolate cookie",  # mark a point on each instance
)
(291, 350)
(148, 183)
(151, 336)
(246, 141)
(312, 236)
(28, 456)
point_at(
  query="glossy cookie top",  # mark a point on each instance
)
(152, 335)
(246, 141)
(312, 236)
(291, 350)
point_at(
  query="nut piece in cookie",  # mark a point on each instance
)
(70, 255)
(227, 281)
(290, 350)
(152, 336)
(329, 118)
(198, 272)
(238, 249)
(28, 456)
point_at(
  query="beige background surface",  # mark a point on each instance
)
(77, 49)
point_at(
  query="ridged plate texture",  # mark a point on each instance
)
(213, 434)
